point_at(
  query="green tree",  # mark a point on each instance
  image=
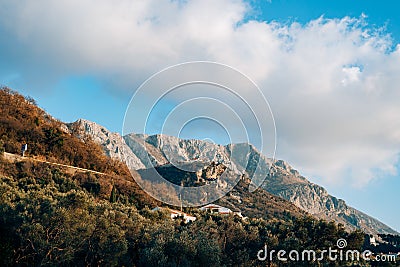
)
(113, 195)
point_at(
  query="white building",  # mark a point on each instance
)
(213, 208)
(372, 240)
(176, 213)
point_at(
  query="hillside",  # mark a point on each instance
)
(261, 204)
(49, 139)
(22, 122)
(281, 179)
(87, 145)
(257, 204)
(49, 218)
(288, 184)
(66, 203)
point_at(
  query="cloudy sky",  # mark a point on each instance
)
(329, 70)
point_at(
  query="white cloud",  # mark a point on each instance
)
(332, 83)
(352, 75)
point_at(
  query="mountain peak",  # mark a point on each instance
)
(112, 143)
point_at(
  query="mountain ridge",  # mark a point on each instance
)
(281, 179)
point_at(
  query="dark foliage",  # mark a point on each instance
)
(49, 219)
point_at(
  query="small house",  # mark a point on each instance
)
(213, 208)
(176, 213)
(372, 241)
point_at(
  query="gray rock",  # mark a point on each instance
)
(112, 143)
(286, 183)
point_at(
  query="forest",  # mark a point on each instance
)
(49, 219)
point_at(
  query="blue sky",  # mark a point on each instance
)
(379, 14)
(327, 80)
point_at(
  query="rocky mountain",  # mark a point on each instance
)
(66, 203)
(112, 143)
(257, 204)
(287, 183)
(144, 152)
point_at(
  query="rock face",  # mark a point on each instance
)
(211, 172)
(287, 183)
(112, 143)
(158, 150)
(143, 152)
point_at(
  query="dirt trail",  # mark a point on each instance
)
(72, 169)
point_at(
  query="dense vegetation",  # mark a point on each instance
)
(51, 217)
(258, 204)
(389, 244)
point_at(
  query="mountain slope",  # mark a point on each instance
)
(48, 139)
(66, 203)
(112, 143)
(90, 148)
(286, 182)
(260, 203)
(257, 204)
(282, 180)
